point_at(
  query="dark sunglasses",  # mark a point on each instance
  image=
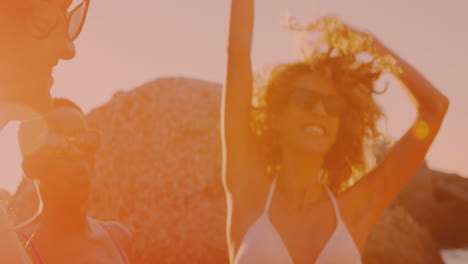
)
(87, 143)
(76, 19)
(308, 99)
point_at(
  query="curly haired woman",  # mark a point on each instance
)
(291, 159)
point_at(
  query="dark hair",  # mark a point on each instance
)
(63, 102)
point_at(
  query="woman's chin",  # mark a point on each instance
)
(314, 150)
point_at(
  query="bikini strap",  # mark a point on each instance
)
(335, 204)
(30, 244)
(270, 195)
(121, 253)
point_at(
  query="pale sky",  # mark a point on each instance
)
(127, 43)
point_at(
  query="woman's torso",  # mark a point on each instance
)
(304, 234)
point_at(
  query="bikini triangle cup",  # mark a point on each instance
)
(263, 244)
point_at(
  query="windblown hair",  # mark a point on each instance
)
(63, 102)
(354, 79)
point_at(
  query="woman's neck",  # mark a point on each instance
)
(56, 222)
(299, 178)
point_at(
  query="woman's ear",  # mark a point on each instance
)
(42, 20)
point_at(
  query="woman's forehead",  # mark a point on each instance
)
(66, 120)
(315, 82)
(64, 4)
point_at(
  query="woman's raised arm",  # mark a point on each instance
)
(381, 186)
(237, 94)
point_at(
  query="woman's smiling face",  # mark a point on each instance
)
(309, 120)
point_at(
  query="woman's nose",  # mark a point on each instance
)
(319, 108)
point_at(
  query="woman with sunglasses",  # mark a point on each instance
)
(62, 165)
(290, 158)
(34, 36)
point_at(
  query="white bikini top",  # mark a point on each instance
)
(262, 244)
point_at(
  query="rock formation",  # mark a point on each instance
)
(439, 202)
(4, 196)
(159, 170)
(397, 238)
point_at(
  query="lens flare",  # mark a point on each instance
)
(421, 130)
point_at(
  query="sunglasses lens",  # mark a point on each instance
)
(309, 99)
(76, 20)
(305, 99)
(89, 142)
(335, 105)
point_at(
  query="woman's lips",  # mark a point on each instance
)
(314, 129)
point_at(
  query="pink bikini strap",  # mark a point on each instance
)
(30, 244)
(124, 257)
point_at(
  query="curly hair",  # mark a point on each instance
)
(355, 80)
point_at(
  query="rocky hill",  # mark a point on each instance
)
(159, 170)
(4, 196)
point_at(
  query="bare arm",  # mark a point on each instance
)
(237, 95)
(11, 250)
(378, 189)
